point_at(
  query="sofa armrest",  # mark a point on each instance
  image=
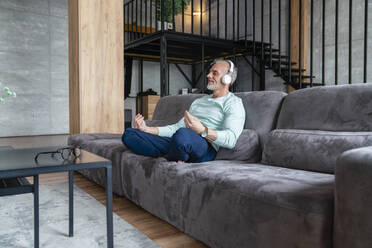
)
(81, 139)
(353, 199)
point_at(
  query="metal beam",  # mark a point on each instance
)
(128, 76)
(251, 65)
(183, 74)
(163, 67)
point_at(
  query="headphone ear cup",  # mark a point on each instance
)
(226, 79)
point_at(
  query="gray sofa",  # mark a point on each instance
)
(293, 179)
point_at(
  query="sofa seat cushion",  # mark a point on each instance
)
(104, 145)
(247, 148)
(234, 204)
(311, 150)
(227, 204)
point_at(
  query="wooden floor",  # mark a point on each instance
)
(159, 231)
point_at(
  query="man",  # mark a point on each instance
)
(212, 121)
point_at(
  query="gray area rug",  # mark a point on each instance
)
(16, 218)
(4, 148)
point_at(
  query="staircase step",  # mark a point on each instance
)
(275, 66)
(284, 69)
(282, 62)
(292, 69)
(303, 85)
(250, 43)
(273, 56)
(277, 56)
(302, 76)
(272, 50)
(249, 51)
(266, 49)
(285, 76)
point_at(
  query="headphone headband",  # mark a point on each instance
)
(231, 64)
(231, 69)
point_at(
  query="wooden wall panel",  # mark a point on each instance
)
(295, 38)
(98, 83)
(295, 24)
(73, 64)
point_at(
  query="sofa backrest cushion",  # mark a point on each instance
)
(171, 109)
(261, 110)
(261, 107)
(157, 123)
(247, 148)
(331, 108)
(342, 113)
(311, 150)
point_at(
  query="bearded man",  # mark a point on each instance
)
(212, 121)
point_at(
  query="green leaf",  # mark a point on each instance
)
(168, 8)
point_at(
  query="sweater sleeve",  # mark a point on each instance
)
(232, 126)
(169, 130)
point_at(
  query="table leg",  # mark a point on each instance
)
(71, 203)
(36, 211)
(110, 235)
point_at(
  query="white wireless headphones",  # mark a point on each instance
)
(227, 79)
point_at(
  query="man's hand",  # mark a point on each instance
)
(193, 123)
(139, 123)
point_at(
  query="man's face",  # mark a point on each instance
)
(215, 75)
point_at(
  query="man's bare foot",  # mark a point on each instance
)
(180, 161)
(162, 159)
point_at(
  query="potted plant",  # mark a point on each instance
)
(168, 14)
(6, 92)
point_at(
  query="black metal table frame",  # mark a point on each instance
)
(36, 171)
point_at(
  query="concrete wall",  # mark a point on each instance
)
(343, 39)
(34, 63)
(343, 42)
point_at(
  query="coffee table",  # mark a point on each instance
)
(20, 163)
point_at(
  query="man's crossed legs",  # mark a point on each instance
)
(185, 145)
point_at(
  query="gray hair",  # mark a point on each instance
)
(234, 73)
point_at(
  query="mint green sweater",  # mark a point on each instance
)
(224, 114)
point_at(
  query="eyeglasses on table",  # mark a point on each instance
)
(65, 153)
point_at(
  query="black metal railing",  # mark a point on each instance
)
(305, 64)
(197, 17)
(258, 33)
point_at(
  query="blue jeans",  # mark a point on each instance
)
(185, 145)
